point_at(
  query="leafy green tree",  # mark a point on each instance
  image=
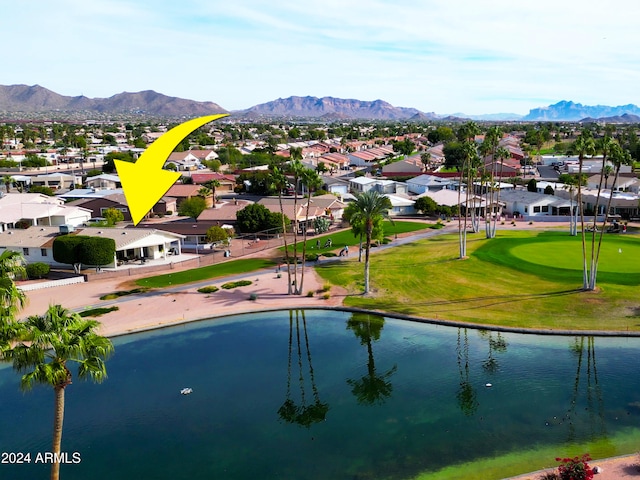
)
(113, 216)
(8, 182)
(368, 208)
(454, 155)
(109, 165)
(321, 224)
(217, 234)
(43, 348)
(257, 218)
(192, 207)
(532, 185)
(405, 147)
(48, 191)
(77, 250)
(548, 190)
(426, 205)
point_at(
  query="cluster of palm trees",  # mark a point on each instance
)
(42, 346)
(585, 146)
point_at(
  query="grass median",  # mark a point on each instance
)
(521, 279)
(225, 269)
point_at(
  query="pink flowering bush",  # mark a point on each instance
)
(575, 468)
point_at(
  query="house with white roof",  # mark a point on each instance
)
(132, 244)
(532, 204)
(364, 184)
(432, 183)
(38, 210)
(104, 182)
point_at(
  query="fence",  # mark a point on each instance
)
(52, 283)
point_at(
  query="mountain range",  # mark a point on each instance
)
(37, 99)
(24, 99)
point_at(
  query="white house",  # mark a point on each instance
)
(401, 205)
(531, 204)
(36, 244)
(38, 210)
(431, 183)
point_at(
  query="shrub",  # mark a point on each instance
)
(208, 289)
(114, 295)
(312, 257)
(575, 468)
(239, 283)
(310, 293)
(38, 270)
(326, 287)
(326, 296)
(253, 297)
(549, 476)
(96, 312)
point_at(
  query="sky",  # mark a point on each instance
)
(443, 56)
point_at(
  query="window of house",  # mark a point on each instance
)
(25, 251)
(536, 209)
(545, 208)
(43, 252)
(526, 209)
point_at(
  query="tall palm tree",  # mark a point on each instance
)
(44, 346)
(620, 157)
(501, 154)
(368, 209)
(8, 181)
(584, 146)
(372, 388)
(488, 148)
(311, 180)
(279, 182)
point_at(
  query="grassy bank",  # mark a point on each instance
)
(528, 279)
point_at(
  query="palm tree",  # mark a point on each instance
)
(620, 157)
(11, 297)
(501, 154)
(42, 349)
(311, 180)
(583, 146)
(279, 182)
(372, 388)
(205, 192)
(368, 209)
(489, 147)
(212, 185)
(7, 180)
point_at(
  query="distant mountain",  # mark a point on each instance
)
(626, 118)
(330, 107)
(30, 99)
(573, 112)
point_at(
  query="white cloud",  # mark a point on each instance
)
(438, 55)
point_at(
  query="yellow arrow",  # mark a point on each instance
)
(145, 182)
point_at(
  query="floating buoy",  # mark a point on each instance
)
(488, 385)
(186, 391)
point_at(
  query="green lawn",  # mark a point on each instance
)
(527, 279)
(204, 273)
(346, 237)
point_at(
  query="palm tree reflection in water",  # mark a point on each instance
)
(373, 388)
(290, 411)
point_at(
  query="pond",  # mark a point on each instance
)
(327, 394)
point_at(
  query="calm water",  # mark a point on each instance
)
(324, 395)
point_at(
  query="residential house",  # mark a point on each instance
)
(532, 204)
(335, 185)
(227, 182)
(424, 183)
(400, 205)
(99, 204)
(36, 244)
(56, 181)
(364, 184)
(408, 167)
(103, 182)
(181, 192)
(38, 210)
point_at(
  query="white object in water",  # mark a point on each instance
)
(488, 385)
(186, 391)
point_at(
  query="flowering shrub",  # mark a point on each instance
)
(575, 468)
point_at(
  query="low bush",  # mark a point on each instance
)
(114, 295)
(208, 289)
(253, 297)
(239, 283)
(326, 296)
(326, 287)
(96, 312)
(38, 270)
(310, 293)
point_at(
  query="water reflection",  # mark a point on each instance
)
(372, 388)
(297, 410)
(466, 394)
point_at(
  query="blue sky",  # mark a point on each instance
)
(445, 56)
